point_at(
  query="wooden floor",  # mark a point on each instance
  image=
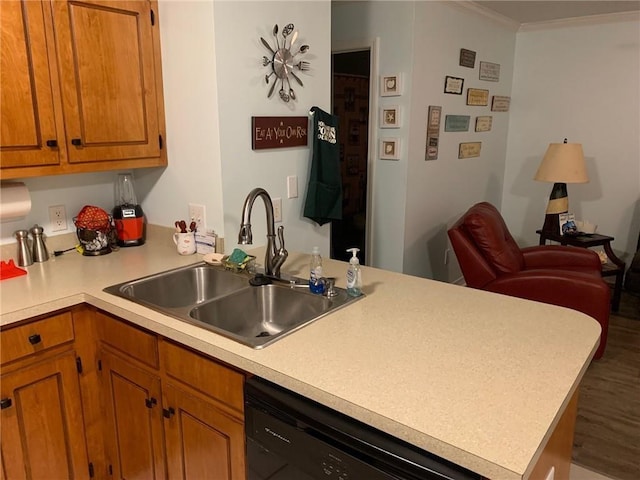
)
(607, 438)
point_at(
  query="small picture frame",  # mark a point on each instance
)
(390, 149)
(568, 224)
(453, 85)
(390, 117)
(390, 85)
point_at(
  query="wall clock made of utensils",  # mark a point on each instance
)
(284, 62)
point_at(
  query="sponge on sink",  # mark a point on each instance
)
(237, 256)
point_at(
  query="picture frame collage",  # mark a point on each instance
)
(391, 85)
(476, 96)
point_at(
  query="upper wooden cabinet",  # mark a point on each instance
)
(81, 87)
(30, 104)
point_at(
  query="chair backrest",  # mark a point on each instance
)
(483, 245)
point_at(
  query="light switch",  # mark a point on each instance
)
(292, 186)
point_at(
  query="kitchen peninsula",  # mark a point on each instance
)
(480, 379)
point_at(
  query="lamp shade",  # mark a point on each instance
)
(563, 163)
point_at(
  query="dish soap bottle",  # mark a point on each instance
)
(354, 274)
(315, 272)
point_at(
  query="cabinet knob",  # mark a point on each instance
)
(5, 403)
(76, 141)
(52, 143)
(168, 412)
(35, 339)
(150, 402)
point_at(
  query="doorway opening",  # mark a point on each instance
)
(350, 99)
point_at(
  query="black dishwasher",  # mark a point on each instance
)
(290, 437)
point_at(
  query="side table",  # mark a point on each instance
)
(613, 267)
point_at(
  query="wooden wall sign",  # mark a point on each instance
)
(278, 132)
(433, 132)
(477, 96)
(467, 58)
(500, 103)
(483, 123)
(490, 71)
(456, 123)
(469, 149)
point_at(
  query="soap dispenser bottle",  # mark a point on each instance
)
(354, 274)
(315, 272)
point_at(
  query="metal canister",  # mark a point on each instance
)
(40, 253)
(24, 252)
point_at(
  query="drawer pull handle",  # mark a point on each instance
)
(5, 403)
(168, 412)
(52, 143)
(35, 339)
(76, 141)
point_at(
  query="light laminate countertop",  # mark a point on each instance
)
(478, 378)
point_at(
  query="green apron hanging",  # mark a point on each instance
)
(324, 193)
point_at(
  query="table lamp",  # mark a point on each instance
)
(562, 163)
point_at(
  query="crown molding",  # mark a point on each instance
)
(485, 12)
(582, 21)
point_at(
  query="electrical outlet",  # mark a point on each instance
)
(277, 209)
(57, 218)
(197, 214)
(447, 252)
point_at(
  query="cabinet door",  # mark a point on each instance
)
(107, 61)
(201, 441)
(42, 425)
(134, 415)
(29, 101)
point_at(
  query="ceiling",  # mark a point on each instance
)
(542, 11)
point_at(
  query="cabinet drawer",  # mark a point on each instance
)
(34, 337)
(130, 340)
(203, 374)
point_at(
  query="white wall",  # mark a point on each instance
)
(191, 111)
(242, 93)
(579, 80)
(358, 23)
(72, 191)
(414, 201)
(438, 191)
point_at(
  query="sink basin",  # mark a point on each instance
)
(262, 312)
(224, 302)
(183, 287)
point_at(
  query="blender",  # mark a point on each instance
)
(127, 214)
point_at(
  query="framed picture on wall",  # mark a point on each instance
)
(390, 85)
(390, 149)
(453, 85)
(390, 117)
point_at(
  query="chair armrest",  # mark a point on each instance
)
(579, 291)
(560, 256)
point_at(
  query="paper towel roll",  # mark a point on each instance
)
(15, 201)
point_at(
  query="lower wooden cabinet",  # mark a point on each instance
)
(171, 412)
(42, 424)
(135, 441)
(201, 441)
(96, 397)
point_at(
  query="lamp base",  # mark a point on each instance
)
(551, 224)
(558, 203)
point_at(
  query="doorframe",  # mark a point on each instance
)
(373, 45)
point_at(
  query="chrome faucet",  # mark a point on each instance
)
(275, 256)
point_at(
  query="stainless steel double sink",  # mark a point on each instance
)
(226, 303)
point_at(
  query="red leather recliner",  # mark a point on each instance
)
(566, 276)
